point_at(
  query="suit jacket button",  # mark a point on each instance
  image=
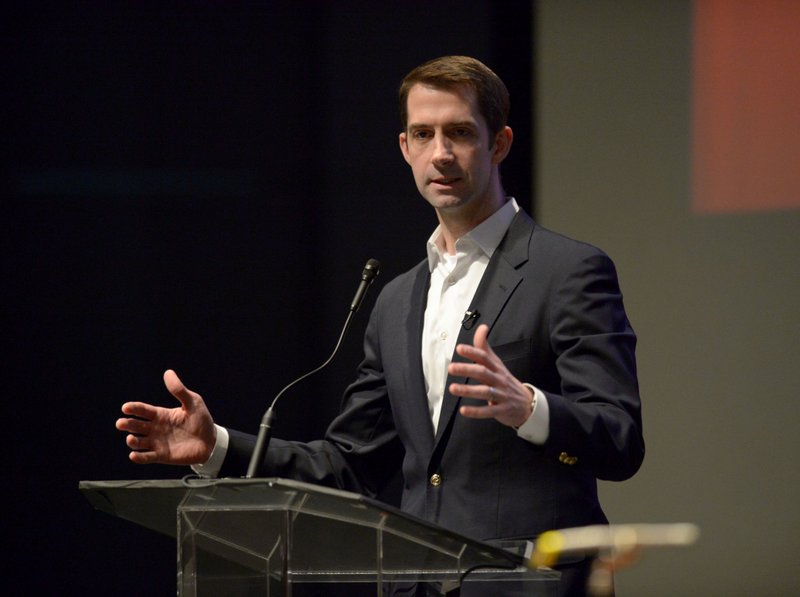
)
(567, 459)
(436, 479)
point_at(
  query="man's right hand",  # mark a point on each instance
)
(183, 435)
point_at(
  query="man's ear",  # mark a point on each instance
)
(502, 144)
(403, 139)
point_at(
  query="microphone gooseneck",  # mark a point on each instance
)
(368, 275)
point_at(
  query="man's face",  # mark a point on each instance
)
(447, 145)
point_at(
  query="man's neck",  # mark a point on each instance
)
(457, 222)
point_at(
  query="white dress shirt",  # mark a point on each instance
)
(454, 280)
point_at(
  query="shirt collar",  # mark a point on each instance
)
(486, 235)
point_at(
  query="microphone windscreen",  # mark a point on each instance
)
(371, 269)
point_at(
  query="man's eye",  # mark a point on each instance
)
(462, 132)
(421, 135)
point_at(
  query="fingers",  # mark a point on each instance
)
(136, 426)
(510, 405)
(175, 386)
(144, 448)
(137, 439)
(498, 406)
(479, 351)
(480, 338)
(148, 412)
(482, 367)
(140, 447)
(140, 409)
(180, 435)
(488, 393)
(480, 412)
(507, 400)
(148, 457)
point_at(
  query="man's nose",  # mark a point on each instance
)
(442, 150)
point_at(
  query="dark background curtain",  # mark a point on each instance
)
(197, 186)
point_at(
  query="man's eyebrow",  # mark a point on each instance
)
(422, 125)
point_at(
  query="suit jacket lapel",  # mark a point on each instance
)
(499, 282)
(415, 399)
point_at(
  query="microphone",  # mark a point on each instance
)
(368, 275)
(371, 270)
(470, 317)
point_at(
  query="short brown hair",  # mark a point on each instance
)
(449, 72)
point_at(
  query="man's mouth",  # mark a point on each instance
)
(445, 180)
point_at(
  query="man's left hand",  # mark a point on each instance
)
(507, 399)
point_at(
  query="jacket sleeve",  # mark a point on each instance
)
(595, 421)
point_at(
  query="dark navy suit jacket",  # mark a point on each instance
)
(557, 320)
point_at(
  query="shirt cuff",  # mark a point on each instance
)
(537, 428)
(212, 466)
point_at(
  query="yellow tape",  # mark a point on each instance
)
(547, 548)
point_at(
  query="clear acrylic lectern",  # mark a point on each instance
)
(248, 537)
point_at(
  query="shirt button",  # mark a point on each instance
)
(436, 479)
(443, 336)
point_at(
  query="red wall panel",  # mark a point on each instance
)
(746, 105)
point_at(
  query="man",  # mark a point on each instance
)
(499, 373)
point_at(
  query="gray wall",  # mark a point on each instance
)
(713, 298)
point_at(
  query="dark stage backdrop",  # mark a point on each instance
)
(197, 186)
